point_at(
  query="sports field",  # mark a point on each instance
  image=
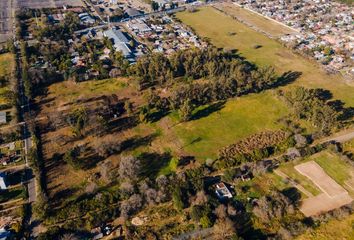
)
(223, 31)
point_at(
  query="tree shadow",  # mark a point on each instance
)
(152, 163)
(345, 113)
(214, 107)
(123, 123)
(63, 194)
(286, 78)
(158, 115)
(196, 140)
(323, 94)
(137, 141)
(293, 194)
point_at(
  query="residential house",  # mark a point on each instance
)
(222, 192)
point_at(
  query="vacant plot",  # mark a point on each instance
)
(6, 67)
(335, 167)
(317, 175)
(6, 64)
(239, 118)
(333, 196)
(334, 229)
(69, 91)
(257, 21)
(228, 33)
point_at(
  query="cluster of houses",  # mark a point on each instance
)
(116, 10)
(163, 34)
(325, 28)
(59, 15)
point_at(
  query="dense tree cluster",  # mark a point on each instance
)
(209, 63)
(314, 106)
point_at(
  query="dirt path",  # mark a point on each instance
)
(343, 136)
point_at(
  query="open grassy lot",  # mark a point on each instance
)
(261, 23)
(334, 229)
(216, 26)
(335, 167)
(69, 91)
(7, 64)
(238, 119)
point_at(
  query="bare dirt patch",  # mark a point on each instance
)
(333, 196)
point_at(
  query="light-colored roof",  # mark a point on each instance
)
(2, 117)
(132, 12)
(120, 41)
(116, 35)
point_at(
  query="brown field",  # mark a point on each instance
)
(57, 136)
(333, 196)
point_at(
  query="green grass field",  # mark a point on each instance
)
(262, 23)
(6, 67)
(335, 167)
(69, 91)
(216, 26)
(334, 229)
(238, 119)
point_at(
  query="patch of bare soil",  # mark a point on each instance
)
(333, 196)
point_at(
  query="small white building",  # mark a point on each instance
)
(2, 117)
(3, 184)
(222, 191)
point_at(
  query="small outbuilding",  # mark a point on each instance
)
(3, 117)
(222, 192)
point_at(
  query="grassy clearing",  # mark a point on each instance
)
(335, 167)
(271, 52)
(334, 229)
(261, 185)
(262, 23)
(69, 91)
(238, 119)
(7, 64)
